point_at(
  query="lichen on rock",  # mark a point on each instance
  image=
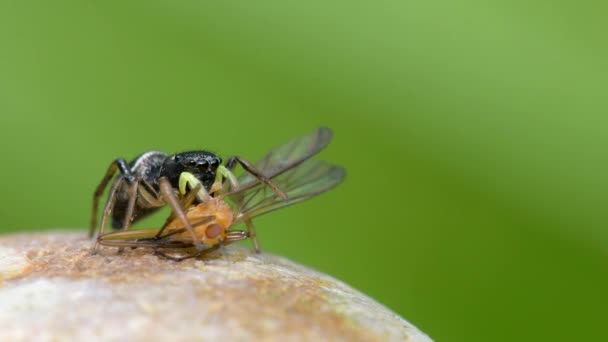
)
(53, 288)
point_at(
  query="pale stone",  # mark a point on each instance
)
(53, 289)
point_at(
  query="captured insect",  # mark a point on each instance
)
(207, 202)
(210, 221)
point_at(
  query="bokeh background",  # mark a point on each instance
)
(474, 133)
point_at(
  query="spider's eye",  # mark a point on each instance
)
(214, 163)
(202, 164)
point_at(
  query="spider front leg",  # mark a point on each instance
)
(169, 197)
(252, 170)
(186, 179)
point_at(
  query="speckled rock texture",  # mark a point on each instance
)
(53, 289)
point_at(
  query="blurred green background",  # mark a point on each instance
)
(474, 134)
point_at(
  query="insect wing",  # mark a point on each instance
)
(287, 156)
(128, 235)
(150, 243)
(149, 238)
(309, 179)
(140, 238)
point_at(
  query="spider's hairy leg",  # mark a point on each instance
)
(247, 166)
(169, 197)
(117, 165)
(132, 193)
(107, 210)
(186, 201)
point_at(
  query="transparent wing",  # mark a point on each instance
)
(141, 238)
(287, 156)
(169, 244)
(310, 178)
(148, 237)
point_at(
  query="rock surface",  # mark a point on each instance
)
(53, 288)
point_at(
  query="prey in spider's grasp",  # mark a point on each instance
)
(206, 198)
(210, 220)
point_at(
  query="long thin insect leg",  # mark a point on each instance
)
(107, 210)
(247, 166)
(169, 196)
(166, 256)
(194, 255)
(118, 164)
(252, 235)
(233, 236)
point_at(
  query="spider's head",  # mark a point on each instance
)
(202, 164)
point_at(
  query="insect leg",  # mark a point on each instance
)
(247, 166)
(252, 235)
(193, 255)
(233, 236)
(169, 196)
(118, 164)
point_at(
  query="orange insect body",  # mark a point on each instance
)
(210, 221)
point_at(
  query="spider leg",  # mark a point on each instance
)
(186, 202)
(247, 166)
(118, 164)
(132, 193)
(107, 210)
(169, 197)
